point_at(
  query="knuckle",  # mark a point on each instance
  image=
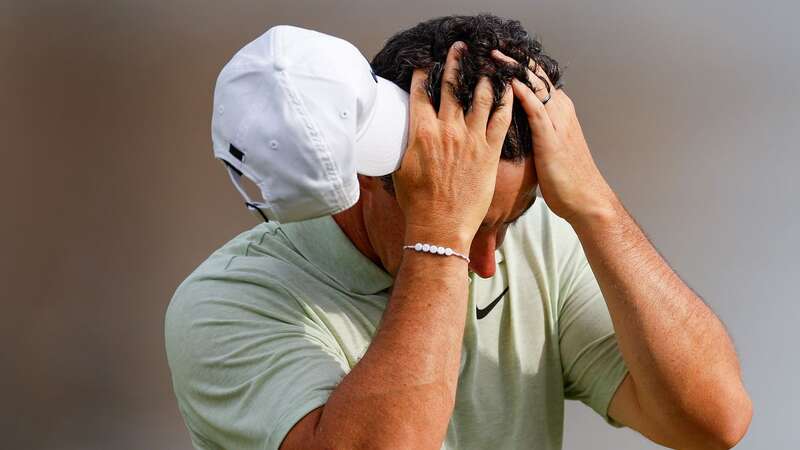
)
(527, 95)
(424, 133)
(532, 101)
(483, 99)
(502, 117)
(568, 102)
(453, 134)
(535, 105)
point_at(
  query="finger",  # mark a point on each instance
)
(555, 100)
(539, 121)
(482, 101)
(449, 108)
(421, 108)
(538, 78)
(537, 71)
(501, 119)
(497, 54)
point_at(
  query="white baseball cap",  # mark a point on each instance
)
(300, 113)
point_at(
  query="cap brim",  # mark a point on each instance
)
(380, 148)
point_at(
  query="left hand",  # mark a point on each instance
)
(571, 183)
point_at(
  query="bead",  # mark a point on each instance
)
(436, 250)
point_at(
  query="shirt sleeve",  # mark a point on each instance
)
(592, 364)
(246, 362)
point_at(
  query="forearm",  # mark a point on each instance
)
(681, 359)
(402, 392)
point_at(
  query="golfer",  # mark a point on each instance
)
(409, 289)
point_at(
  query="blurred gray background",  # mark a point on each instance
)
(110, 195)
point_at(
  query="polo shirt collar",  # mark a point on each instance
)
(325, 245)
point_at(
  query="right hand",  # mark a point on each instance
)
(446, 180)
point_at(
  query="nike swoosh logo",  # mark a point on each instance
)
(481, 313)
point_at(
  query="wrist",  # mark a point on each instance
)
(457, 239)
(433, 249)
(603, 215)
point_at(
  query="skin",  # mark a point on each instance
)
(401, 394)
(684, 387)
(376, 224)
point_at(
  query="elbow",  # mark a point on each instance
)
(733, 421)
(738, 421)
(718, 427)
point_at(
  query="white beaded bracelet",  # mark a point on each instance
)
(435, 249)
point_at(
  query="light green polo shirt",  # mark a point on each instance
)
(262, 332)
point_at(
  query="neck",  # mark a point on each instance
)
(351, 221)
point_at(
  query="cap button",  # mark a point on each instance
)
(273, 144)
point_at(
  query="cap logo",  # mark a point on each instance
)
(238, 154)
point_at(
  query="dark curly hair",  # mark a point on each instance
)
(426, 45)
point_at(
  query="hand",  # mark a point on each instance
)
(446, 179)
(570, 182)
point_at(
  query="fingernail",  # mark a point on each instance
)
(458, 45)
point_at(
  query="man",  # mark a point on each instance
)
(338, 332)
